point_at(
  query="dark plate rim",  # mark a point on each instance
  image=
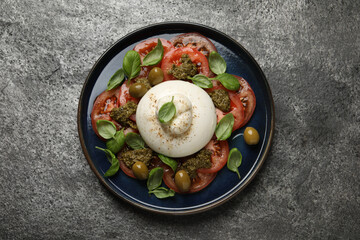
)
(179, 24)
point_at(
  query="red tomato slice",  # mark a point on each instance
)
(108, 100)
(219, 157)
(103, 105)
(144, 72)
(194, 40)
(155, 162)
(248, 99)
(124, 97)
(200, 182)
(236, 107)
(173, 57)
(125, 169)
(129, 129)
(146, 46)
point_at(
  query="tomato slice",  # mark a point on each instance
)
(219, 157)
(236, 106)
(155, 162)
(200, 182)
(103, 105)
(108, 100)
(173, 57)
(144, 71)
(124, 97)
(247, 98)
(146, 46)
(125, 169)
(194, 40)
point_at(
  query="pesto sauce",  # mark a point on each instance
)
(144, 81)
(186, 69)
(122, 114)
(201, 160)
(221, 99)
(131, 156)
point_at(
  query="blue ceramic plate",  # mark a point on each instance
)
(226, 184)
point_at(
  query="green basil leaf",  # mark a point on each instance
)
(154, 56)
(155, 178)
(106, 129)
(216, 63)
(114, 168)
(131, 64)
(224, 128)
(234, 160)
(162, 192)
(116, 79)
(167, 111)
(107, 152)
(228, 81)
(134, 141)
(117, 142)
(201, 81)
(169, 161)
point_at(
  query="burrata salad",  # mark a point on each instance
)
(167, 113)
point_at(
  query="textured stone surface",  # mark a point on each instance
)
(309, 186)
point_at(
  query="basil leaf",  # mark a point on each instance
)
(228, 81)
(131, 64)
(224, 128)
(116, 79)
(234, 160)
(155, 178)
(114, 168)
(107, 152)
(167, 111)
(162, 192)
(169, 161)
(201, 81)
(106, 129)
(117, 142)
(154, 56)
(134, 141)
(216, 63)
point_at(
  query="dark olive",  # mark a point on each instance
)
(251, 136)
(155, 76)
(182, 181)
(140, 170)
(137, 90)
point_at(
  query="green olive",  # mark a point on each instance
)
(251, 136)
(155, 76)
(182, 181)
(137, 90)
(140, 170)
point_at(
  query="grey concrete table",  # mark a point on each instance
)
(309, 186)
